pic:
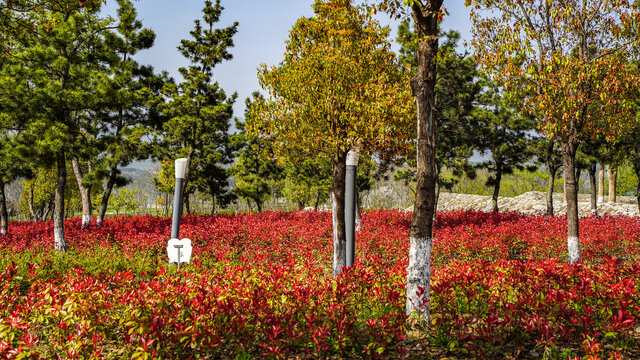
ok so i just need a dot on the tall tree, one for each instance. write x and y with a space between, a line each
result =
130 97
570 58
426 15
256 168
337 89
62 58
456 91
504 136
198 110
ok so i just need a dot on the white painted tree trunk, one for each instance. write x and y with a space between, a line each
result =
59 240
339 258
86 221
419 279
3 231
574 249
601 184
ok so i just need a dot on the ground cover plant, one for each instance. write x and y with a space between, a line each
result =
261 286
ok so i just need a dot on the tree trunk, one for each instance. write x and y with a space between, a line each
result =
339 173
4 215
58 211
551 185
496 189
187 175
34 215
578 174
104 202
85 192
187 203
593 183
213 204
46 211
259 206
612 173
317 202
571 189
601 184
423 86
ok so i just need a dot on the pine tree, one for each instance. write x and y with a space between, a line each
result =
256 168
198 110
504 136
59 65
131 95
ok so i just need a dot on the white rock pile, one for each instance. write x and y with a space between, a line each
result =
535 202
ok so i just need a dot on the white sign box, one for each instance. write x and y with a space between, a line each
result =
179 251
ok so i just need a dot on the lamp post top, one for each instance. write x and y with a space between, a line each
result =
181 166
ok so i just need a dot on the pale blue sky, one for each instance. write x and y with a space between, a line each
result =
263 29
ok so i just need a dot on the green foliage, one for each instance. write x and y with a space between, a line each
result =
308 182
256 170
41 187
338 87
125 200
504 134
627 181
198 110
514 184
457 89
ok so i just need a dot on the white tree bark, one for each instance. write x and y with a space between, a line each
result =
59 240
339 259
419 279
573 244
601 184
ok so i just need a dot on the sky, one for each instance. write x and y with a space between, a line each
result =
263 28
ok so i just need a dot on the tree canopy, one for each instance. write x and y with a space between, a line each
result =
338 88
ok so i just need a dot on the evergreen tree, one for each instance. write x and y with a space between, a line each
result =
456 90
504 136
130 98
197 109
256 169
59 64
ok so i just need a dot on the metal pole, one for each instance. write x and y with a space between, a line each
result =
350 205
177 197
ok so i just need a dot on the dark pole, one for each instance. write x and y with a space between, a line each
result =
350 206
177 198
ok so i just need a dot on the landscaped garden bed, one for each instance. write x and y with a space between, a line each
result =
261 286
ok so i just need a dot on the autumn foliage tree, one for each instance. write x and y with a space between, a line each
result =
570 61
338 89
